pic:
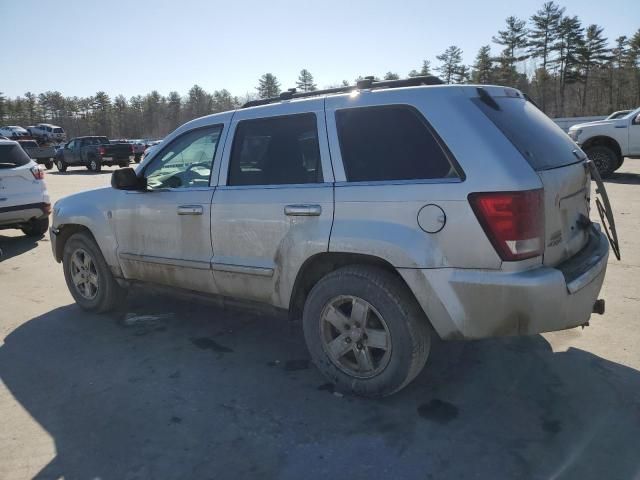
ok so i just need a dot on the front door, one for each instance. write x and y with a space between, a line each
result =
273 208
634 137
69 151
163 233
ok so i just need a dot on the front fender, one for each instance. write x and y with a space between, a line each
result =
89 210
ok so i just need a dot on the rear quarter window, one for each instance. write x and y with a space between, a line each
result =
391 142
12 156
541 142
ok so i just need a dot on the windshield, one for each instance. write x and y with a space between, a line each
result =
12 155
540 141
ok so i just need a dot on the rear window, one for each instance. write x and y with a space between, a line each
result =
540 141
58 130
12 156
389 143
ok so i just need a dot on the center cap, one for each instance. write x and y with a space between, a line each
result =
355 334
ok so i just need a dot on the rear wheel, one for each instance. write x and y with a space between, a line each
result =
123 163
137 158
365 331
48 164
88 276
620 162
36 228
94 165
61 165
604 158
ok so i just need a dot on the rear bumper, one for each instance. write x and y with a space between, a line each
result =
478 303
19 214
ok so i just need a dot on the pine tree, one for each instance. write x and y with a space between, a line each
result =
593 53
542 37
634 61
514 40
268 86
569 43
305 81
617 66
451 60
3 107
391 76
483 66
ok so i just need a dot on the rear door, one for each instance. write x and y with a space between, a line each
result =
558 161
273 207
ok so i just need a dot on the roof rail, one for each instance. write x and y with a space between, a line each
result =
366 82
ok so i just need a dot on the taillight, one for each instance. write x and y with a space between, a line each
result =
37 172
513 221
101 151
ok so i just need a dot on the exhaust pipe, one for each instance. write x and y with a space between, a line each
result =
598 307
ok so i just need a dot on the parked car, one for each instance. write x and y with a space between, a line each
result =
380 215
608 142
42 155
151 147
92 152
138 147
24 201
618 114
13 132
45 132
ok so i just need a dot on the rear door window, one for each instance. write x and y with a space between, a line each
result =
276 151
392 142
540 141
12 156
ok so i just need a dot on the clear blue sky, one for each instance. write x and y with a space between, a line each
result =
132 47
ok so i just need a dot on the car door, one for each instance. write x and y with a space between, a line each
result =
273 207
634 136
163 233
69 151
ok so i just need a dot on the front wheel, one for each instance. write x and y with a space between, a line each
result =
36 228
605 159
48 164
137 158
365 331
123 163
61 165
88 276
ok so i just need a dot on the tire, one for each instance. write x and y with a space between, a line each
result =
96 290
137 158
604 159
61 165
391 312
620 162
123 163
48 164
36 228
94 165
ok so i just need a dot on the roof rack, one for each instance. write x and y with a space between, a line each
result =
365 83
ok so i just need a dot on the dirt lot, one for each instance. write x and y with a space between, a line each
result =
207 392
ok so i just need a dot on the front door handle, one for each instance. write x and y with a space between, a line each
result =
190 210
302 210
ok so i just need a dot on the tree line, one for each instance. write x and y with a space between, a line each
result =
567 68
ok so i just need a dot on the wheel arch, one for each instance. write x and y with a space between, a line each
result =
319 265
604 141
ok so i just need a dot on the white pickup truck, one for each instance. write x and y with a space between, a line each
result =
607 142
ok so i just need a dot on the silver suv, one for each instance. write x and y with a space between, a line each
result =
382 214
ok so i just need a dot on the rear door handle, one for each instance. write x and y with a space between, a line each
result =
190 210
302 210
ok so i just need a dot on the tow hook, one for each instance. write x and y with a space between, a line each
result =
598 307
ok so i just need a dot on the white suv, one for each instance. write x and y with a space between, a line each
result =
24 201
381 214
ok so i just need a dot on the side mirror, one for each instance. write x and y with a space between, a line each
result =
126 179
636 121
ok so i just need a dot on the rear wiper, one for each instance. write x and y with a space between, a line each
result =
605 210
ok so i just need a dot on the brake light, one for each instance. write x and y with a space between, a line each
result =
513 221
37 172
101 151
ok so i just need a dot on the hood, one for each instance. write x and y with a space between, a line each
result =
593 124
86 197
